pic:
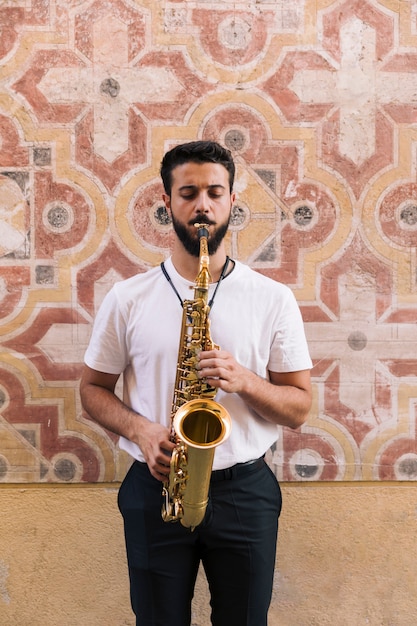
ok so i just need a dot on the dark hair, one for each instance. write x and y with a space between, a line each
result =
196 152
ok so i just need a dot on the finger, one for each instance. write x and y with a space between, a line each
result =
161 471
206 354
161 477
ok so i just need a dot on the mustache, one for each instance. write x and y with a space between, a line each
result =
201 220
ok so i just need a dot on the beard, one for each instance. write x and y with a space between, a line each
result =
190 240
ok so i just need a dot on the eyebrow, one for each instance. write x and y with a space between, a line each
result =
214 186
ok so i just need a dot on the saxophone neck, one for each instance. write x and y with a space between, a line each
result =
203 278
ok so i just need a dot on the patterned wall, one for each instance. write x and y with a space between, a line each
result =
318 102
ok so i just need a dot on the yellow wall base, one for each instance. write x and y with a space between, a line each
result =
347 556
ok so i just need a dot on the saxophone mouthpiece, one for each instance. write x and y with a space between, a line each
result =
202 230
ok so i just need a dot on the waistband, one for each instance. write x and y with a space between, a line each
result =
238 470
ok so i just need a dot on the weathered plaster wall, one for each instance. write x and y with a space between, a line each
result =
347 557
317 100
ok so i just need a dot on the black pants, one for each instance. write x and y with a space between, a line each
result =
236 543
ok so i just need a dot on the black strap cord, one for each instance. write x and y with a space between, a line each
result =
222 275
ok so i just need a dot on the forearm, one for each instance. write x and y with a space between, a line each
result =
284 399
105 408
282 404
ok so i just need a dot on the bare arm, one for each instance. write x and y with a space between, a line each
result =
284 399
104 407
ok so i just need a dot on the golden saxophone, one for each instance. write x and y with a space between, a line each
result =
199 424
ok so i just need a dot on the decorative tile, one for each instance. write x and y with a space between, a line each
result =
317 102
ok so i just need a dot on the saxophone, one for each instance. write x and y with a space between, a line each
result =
198 423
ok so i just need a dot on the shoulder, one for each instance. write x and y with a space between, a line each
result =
130 292
250 278
140 278
137 283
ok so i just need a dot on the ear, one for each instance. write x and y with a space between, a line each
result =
167 201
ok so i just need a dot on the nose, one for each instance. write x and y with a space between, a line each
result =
202 204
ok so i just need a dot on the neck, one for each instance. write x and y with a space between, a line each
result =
187 265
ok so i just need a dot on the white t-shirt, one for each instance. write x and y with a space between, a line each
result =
137 332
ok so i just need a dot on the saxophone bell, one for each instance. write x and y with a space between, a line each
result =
200 425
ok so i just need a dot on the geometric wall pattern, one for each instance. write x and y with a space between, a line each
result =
318 103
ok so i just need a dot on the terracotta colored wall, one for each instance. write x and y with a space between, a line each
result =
317 101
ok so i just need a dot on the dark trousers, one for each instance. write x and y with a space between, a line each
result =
236 543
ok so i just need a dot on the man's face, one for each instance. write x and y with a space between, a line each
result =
200 194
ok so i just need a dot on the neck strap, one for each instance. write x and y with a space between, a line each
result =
222 275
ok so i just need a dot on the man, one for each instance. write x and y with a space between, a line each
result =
262 376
